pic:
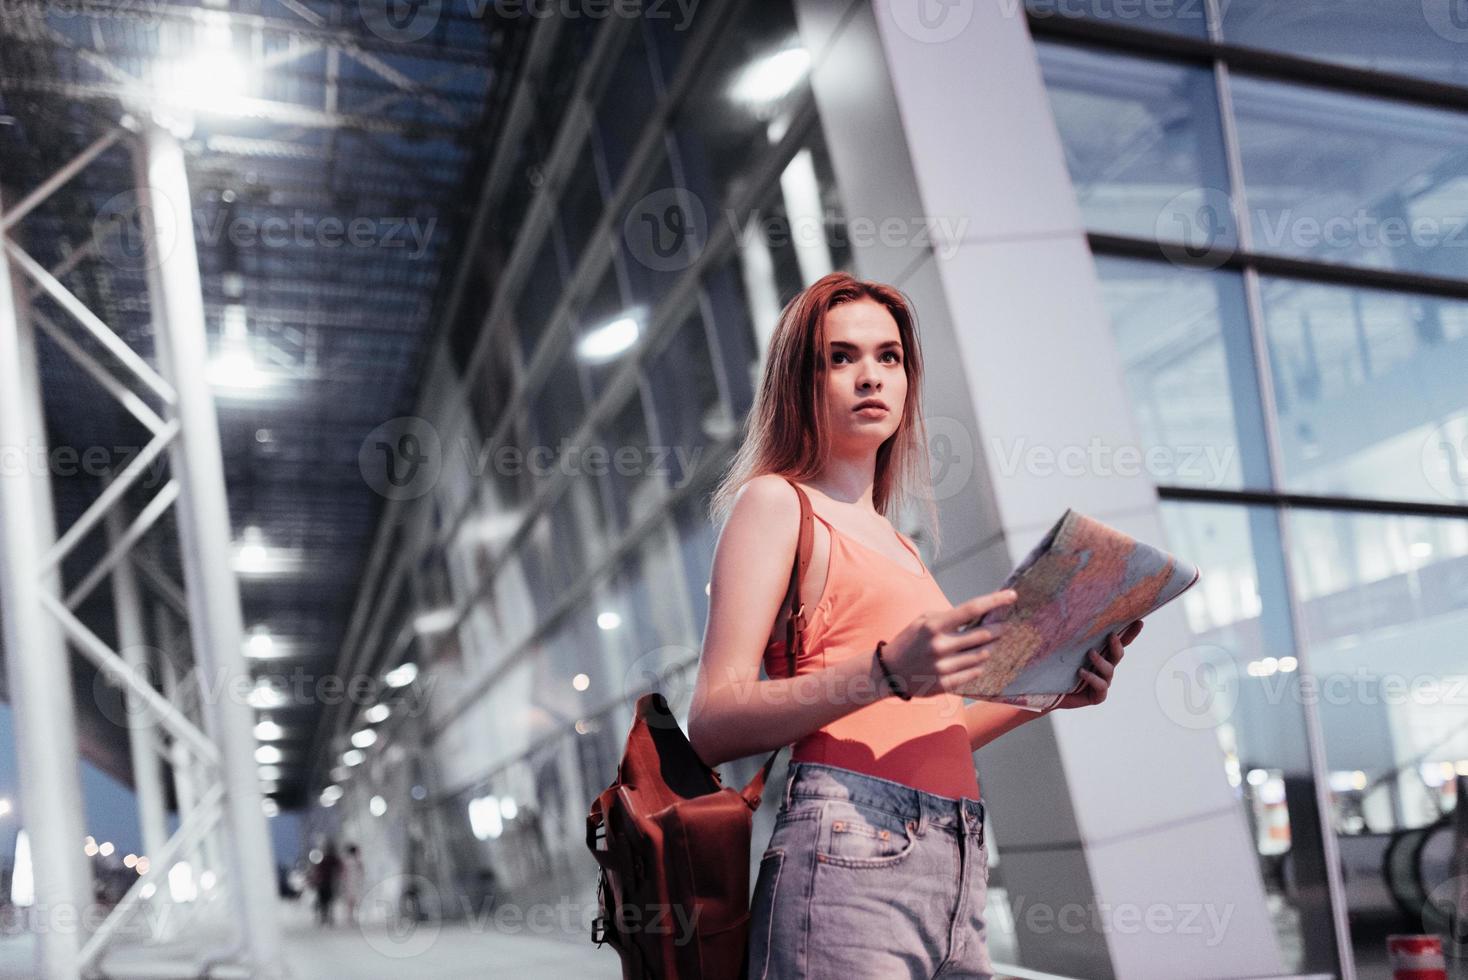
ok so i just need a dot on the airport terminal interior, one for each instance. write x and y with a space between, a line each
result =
367 367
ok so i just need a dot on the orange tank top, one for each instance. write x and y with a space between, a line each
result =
869 596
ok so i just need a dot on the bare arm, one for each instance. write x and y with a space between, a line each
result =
734 713
986 721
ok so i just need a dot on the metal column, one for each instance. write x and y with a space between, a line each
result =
36 658
143 730
216 621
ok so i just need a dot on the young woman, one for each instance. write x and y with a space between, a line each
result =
877 866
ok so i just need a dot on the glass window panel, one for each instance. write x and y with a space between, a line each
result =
492 384
737 347
525 180
1143 142
636 485
508 466
685 395
579 527
670 25
607 330
1383 618
557 409
653 237
580 205
558 80
741 104
1239 617
626 104
1369 389
1183 337
1405 37
1188 17
1354 180
539 294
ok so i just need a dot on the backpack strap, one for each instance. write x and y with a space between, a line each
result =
794 627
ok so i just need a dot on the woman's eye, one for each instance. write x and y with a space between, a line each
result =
893 354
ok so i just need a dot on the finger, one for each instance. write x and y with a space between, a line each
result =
1103 667
950 643
966 661
1130 633
975 607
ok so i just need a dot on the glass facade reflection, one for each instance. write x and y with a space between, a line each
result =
641 249
1324 518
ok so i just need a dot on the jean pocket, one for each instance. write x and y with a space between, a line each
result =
855 836
762 913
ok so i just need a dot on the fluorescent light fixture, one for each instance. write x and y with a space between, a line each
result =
377 713
331 794
434 621
267 730
608 620
485 819
508 809
260 642
353 757
364 738
608 341
268 755
401 676
23 878
268 773
266 696
377 806
234 368
767 80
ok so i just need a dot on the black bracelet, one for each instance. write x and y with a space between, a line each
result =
891 681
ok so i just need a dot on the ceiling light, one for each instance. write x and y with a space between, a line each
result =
608 620
377 806
260 643
268 755
435 621
771 78
234 368
268 731
251 555
331 794
581 682
353 757
266 695
364 738
608 341
401 676
376 713
268 773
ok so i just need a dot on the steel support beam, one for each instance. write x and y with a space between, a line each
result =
215 617
36 658
142 726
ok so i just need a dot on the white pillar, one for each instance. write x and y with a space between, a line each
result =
216 622
143 730
1106 818
36 658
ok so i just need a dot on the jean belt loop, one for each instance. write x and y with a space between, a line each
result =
789 785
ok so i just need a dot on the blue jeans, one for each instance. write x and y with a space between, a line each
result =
868 878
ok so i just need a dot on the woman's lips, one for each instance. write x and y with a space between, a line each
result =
871 411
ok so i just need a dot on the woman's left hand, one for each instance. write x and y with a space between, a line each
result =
1096 680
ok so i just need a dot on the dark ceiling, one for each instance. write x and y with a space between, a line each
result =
349 114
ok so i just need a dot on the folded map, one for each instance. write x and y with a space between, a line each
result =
1083 581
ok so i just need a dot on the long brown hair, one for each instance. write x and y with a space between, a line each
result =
785 432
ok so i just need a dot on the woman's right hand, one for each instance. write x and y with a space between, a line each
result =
929 657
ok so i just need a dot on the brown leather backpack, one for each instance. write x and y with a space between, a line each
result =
673 841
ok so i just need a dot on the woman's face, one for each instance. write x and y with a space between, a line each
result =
864 365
